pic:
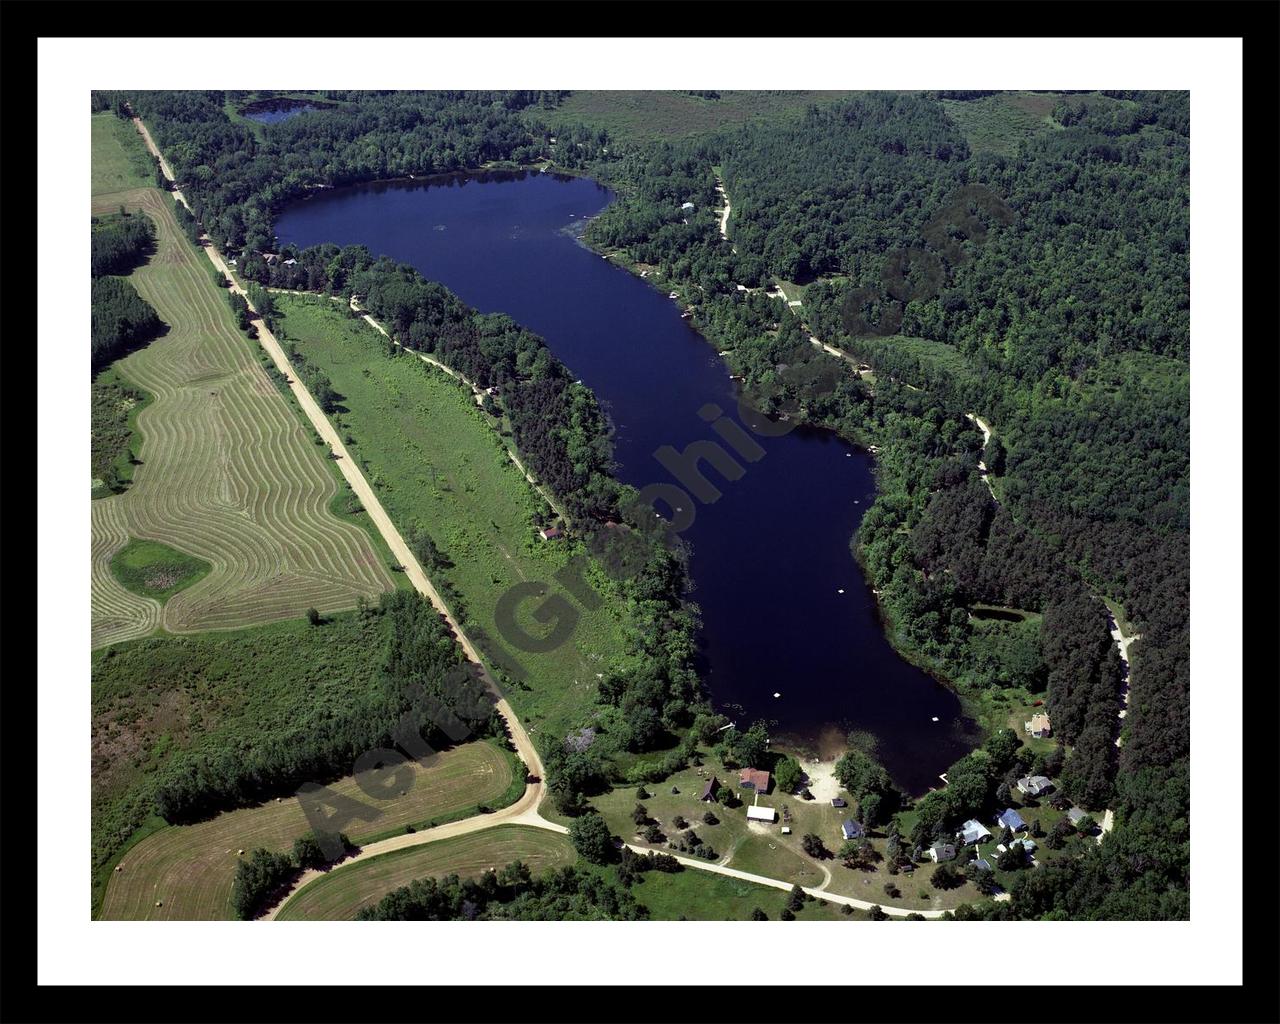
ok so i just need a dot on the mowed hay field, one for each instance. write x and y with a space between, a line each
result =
345 891
120 160
189 869
439 466
228 472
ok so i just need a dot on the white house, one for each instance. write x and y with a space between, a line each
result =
758 813
1034 785
973 831
942 851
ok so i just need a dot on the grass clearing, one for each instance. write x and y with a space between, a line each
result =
440 466
152 569
189 869
343 892
226 472
120 160
693 895
640 116
1000 123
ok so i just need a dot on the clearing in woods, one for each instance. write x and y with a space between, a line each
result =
120 160
189 869
227 474
440 467
345 891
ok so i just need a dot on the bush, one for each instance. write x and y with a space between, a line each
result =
257 879
710 819
591 838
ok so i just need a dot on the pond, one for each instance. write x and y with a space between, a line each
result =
273 111
791 632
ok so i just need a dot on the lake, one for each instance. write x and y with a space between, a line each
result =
784 605
276 110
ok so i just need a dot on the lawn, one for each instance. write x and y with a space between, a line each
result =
189 869
343 892
225 472
693 895
641 116
152 569
119 159
440 467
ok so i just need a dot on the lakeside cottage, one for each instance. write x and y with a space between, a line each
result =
753 778
940 852
1039 726
1011 819
973 831
1034 785
852 829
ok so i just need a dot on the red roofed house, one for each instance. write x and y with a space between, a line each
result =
753 778
550 533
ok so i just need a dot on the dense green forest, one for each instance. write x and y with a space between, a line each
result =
265 710
510 894
1047 290
121 319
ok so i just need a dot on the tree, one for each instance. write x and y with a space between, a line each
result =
758 915
640 815
725 796
592 839
814 846
1013 858
796 898
1086 825
679 821
858 853
710 819
256 879
313 617
877 914
788 774
946 876
1057 837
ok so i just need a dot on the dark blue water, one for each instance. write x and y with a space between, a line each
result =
280 110
771 556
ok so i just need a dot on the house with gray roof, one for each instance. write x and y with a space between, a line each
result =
973 831
1011 819
940 852
1034 785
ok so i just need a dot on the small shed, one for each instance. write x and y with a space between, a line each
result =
686 206
550 533
838 802
1039 726
709 790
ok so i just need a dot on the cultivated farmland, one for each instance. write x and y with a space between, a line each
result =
189 869
343 893
227 473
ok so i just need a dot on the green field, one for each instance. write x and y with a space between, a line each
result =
440 467
342 893
189 869
152 569
638 116
683 895
120 160
999 124
226 472
693 895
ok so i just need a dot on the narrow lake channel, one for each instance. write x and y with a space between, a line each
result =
784 605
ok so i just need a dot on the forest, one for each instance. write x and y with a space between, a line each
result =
1049 291
510 894
268 711
121 319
